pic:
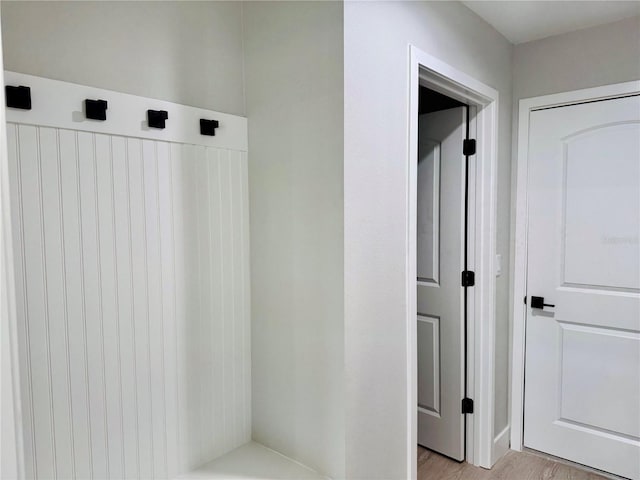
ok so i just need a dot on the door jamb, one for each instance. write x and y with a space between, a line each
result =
437 75
526 106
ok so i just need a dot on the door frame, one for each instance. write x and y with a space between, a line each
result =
430 71
519 273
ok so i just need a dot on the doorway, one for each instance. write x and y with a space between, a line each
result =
430 72
445 143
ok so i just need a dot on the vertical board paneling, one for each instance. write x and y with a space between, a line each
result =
78 361
132 275
180 296
24 356
155 313
246 294
36 312
235 171
192 305
124 285
109 302
140 307
204 263
165 220
227 301
93 302
56 311
217 331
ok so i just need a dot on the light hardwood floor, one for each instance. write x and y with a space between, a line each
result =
513 466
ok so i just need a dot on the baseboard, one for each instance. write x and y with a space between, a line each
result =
500 445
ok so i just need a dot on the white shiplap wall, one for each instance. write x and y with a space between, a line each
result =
133 302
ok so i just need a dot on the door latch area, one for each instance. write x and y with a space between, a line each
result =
538 302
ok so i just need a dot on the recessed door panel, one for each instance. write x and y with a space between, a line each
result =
429 364
429 212
601 220
608 407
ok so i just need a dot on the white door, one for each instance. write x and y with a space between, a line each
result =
582 388
440 294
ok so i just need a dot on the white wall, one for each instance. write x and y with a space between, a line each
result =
183 52
377 35
294 84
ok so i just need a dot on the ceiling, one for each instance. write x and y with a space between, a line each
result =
523 21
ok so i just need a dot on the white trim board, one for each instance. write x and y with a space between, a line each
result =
501 444
60 105
527 105
11 443
437 75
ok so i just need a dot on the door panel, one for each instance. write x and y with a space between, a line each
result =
440 261
429 364
429 213
600 178
582 395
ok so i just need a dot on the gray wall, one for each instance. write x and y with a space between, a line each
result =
183 52
294 87
377 35
585 58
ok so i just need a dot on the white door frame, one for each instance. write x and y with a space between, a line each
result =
430 71
527 105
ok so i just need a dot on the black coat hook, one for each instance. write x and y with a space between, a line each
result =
157 118
95 109
208 127
18 97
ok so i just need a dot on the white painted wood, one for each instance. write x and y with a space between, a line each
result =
60 105
582 392
56 294
22 327
74 285
252 461
440 301
428 250
124 283
432 72
131 262
501 444
429 381
521 247
11 426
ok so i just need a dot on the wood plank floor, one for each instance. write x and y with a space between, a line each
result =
513 466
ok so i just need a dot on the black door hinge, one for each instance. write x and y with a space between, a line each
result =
467 405
469 147
468 278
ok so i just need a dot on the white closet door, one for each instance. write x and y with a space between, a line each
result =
441 171
582 393
132 278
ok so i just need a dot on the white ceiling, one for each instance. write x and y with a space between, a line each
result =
523 21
